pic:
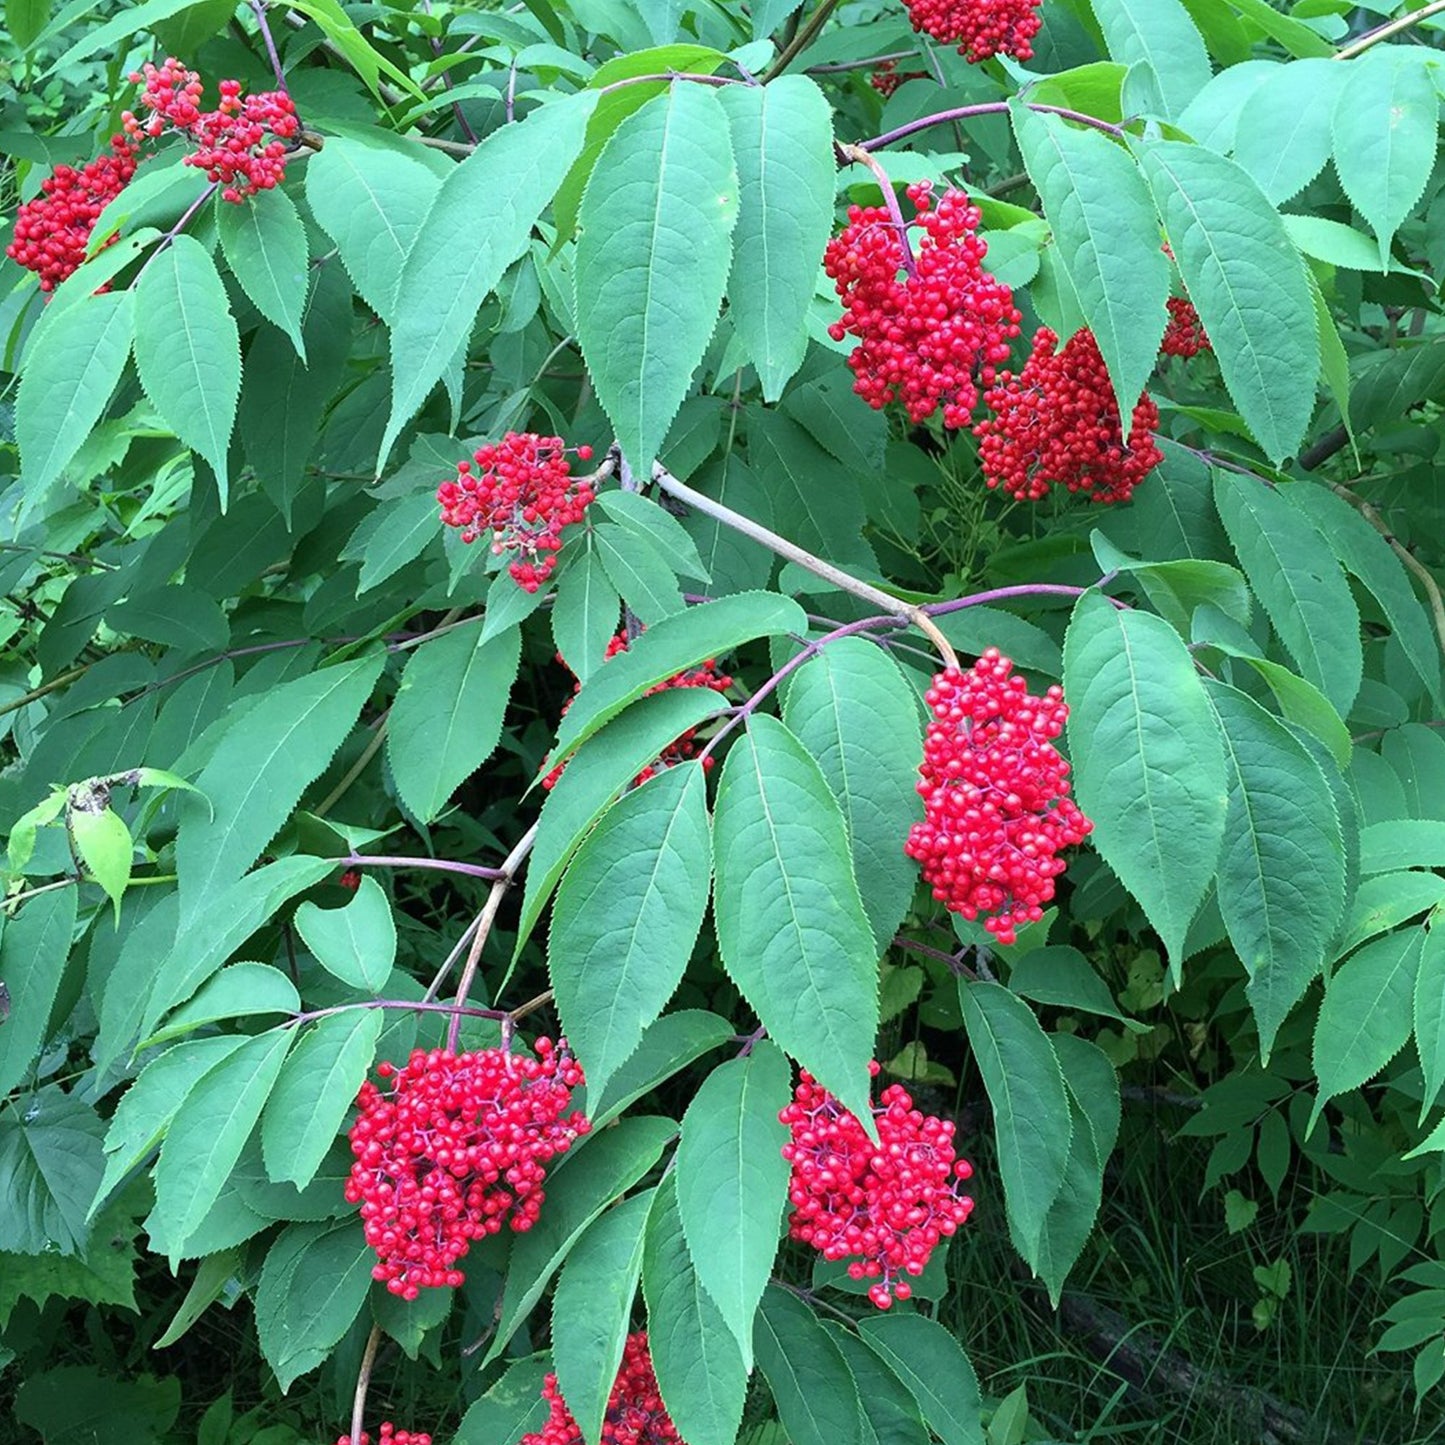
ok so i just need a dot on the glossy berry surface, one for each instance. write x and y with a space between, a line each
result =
997 811
980 28
522 491
885 1206
1056 424
1185 334
932 324
451 1147
389 1436
635 1413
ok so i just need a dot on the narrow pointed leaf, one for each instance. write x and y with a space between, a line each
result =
33 951
927 1358
812 1386
265 247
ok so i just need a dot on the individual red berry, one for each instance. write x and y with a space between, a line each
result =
980 28
886 77
389 1436
523 493
931 328
1185 334
635 1413
882 1206
350 880
705 674
1057 424
995 791
52 230
456 1146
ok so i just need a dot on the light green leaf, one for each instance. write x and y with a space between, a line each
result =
1296 37
782 137
928 1359
187 350
1294 574
480 222
119 29
639 515
1402 843
627 915
1148 765
790 922
671 1044
1430 1015
265 246
591 1310
812 1386
240 991
732 1182
106 848
855 713
512 1408
652 260
66 383
357 942
1388 900
315 1092
1108 238
394 533
1248 283
1030 1106
33 951
585 612
1062 977
447 717
640 570
1161 34
1280 141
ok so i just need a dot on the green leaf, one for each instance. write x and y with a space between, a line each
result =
1296 37
1030 1106
790 922
1294 574
856 714
889 1410
480 222
179 614
1281 881
408 1322
1281 142
371 201
674 644
1148 765
1248 283
812 1386
265 246
652 260
1161 35
368 63
591 1310
640 570
119 29
782 137
1429 1019
33 951
671 1044
447 717
585 612
67 381
512 1408
1063 978
579 1188
240 991
627 915
187 350
105 847
700 1370
1366 1015
312 1286
356 942
1385 122
208 1132
650 519
1363 552
258 772
50 1165
928 1359
1402 843
1107 234
732 1182
1388 900
315 1092
75 1404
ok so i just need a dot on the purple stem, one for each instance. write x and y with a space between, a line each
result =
988 107
752 1040
1001 594
436 50
890 200
669 77
176 230
258 8
440 865
415 1005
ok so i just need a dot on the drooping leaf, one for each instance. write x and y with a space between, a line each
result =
790 921
50 1166
1429 1018
640 571
241 991
1280 140
33 951
1161 35
671 1044
1148 765
627 915
265 247
812 1386
512 1408
889 1408
187 350
930 1361
653 258
1062 977
585 612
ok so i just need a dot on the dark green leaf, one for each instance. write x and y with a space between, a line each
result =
928 1359
265 246
812 1386
33 951
357 942
1430 1015
50 1166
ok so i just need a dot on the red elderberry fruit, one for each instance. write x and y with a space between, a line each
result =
980 28
350 880
522 491
931 327
389 1436
705 674
1056 424
995 791
883 1206
52 230
456 1146
635 1413
241 145
886 77
1185 334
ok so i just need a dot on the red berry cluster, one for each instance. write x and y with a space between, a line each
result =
1185 334
995 791
389 1436
53 230
635 1413
523 494
241 144
456 1146
931 328
886 77
705 674
980 28
883 1205
1057 424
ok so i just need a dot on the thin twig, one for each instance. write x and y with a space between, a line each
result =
436 50
987 107
890 199
1389 30
804 37
356 769
363 1380
840 67
440 865
258 9
176 230
36 693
